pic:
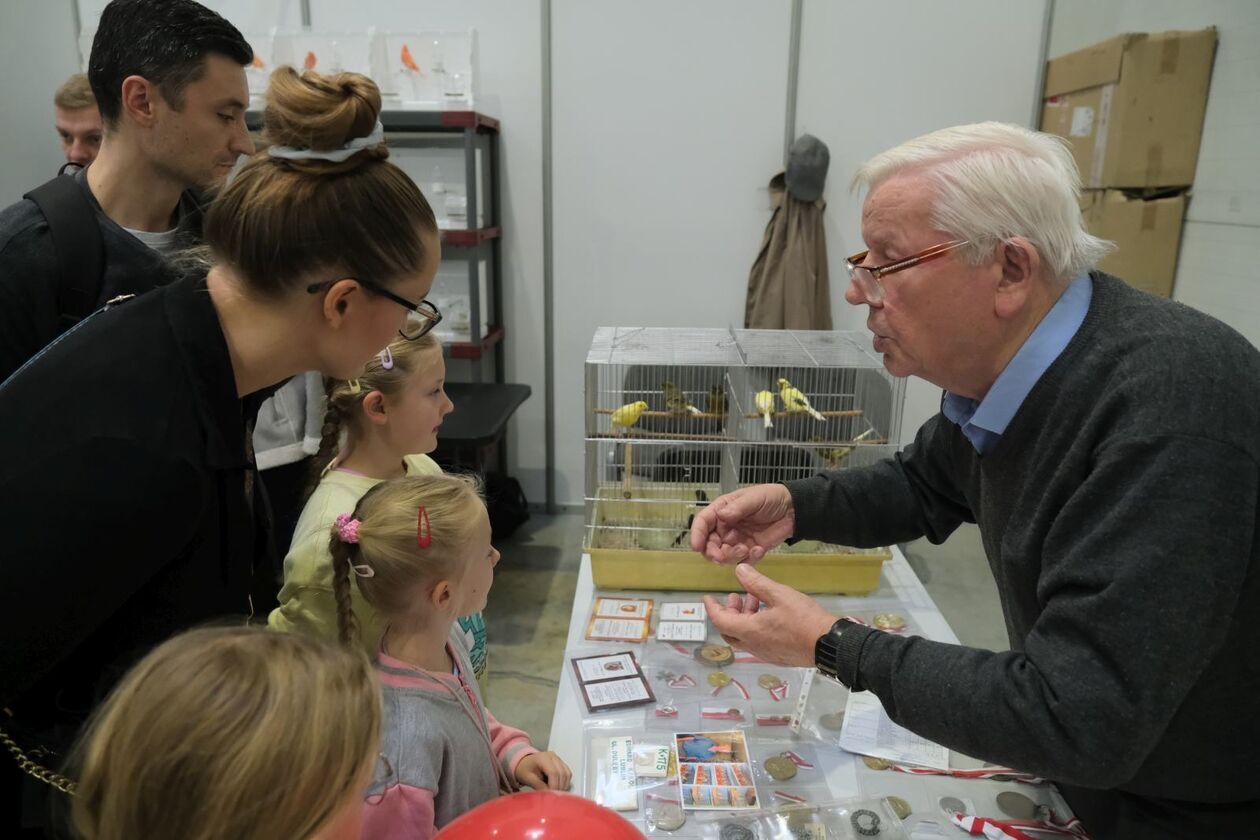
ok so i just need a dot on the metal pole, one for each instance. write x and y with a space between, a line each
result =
549 348
794 68
1046 25
306 13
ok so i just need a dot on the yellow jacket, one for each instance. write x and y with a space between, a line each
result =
306 599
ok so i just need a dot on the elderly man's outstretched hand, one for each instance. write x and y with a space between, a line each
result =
741 527
782 632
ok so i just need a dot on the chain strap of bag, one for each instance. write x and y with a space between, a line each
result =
34 769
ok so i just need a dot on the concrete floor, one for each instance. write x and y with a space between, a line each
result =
529 607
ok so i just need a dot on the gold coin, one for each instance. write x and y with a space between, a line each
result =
769 681
719 678
780 769
717 655
833 721
889 621
876 763
900 806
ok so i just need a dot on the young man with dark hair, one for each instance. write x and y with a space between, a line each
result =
169 81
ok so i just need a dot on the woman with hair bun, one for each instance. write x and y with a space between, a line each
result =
126 468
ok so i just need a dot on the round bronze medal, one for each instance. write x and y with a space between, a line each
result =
717 655
769 681
780 768
876 763
832 720
889 621
899 806
719 678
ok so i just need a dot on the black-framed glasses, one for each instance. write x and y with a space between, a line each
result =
422 317
867 277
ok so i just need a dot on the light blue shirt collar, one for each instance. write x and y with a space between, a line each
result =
984 421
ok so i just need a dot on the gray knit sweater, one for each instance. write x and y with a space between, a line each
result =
1118 514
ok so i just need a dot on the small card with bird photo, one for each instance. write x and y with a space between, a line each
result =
713 771
611 681
619 620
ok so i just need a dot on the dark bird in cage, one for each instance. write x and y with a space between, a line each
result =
676 400
715 403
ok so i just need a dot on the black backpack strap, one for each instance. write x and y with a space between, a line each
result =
77 243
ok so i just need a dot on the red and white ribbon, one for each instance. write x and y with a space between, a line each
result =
667 711
681 681
658 798
774 720
1002 774
729 714
1018 829
743 692
789 797
779 692
991 829
796 759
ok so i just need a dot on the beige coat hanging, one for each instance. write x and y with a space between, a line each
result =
788 286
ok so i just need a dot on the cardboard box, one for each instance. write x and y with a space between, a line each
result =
1132 107
1146 231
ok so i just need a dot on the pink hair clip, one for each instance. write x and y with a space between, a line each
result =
424 530
387 359
347 528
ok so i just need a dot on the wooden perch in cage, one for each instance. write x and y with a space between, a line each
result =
658 436
679 415
852 412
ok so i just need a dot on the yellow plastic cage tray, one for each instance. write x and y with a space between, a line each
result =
640 542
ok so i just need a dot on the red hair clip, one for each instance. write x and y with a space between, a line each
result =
424 531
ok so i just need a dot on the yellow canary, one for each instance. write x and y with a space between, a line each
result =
795 401
628 414
765 404
676 400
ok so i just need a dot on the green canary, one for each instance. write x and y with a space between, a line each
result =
716 401
676 400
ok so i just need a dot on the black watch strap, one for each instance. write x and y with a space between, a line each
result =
829 651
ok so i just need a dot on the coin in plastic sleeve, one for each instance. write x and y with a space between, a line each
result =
719 678
769 681
717 655
832 720
780 768
1016 805
876 763
899 806
889 621
668 816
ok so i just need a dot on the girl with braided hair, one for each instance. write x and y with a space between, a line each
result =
376 427
418 551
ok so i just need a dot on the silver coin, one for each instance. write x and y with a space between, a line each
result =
953 805
668 816
1016 805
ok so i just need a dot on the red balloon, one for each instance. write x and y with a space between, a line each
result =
539 815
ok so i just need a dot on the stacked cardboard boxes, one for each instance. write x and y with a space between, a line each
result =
1131 108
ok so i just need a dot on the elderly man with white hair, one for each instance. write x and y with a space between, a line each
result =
1106 442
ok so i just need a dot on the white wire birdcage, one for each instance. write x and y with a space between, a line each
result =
676 417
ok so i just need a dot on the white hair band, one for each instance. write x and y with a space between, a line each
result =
358 144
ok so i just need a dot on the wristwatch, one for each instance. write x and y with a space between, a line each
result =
827 650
